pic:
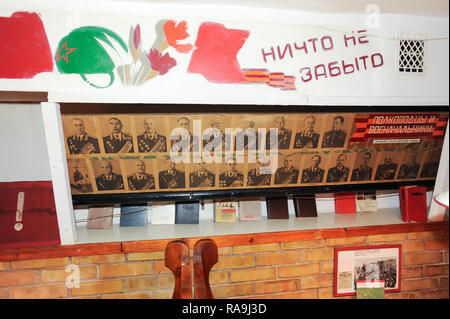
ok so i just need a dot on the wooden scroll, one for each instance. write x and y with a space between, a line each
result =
178 261
205 257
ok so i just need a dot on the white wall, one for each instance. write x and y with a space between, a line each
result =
23 149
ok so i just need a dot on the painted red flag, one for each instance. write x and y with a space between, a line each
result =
24 48
215 56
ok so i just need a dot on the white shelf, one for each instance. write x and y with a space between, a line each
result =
208 228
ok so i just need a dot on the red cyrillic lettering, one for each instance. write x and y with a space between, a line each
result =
373 60
356 64
308 73
287 46
349 38
313 41
344 67
303 47
332 68
321 74
362 37
363 58
330 42
266 54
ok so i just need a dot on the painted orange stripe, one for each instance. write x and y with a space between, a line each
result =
258 80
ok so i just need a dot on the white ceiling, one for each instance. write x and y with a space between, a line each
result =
439 8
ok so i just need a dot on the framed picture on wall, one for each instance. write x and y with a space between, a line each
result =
369 263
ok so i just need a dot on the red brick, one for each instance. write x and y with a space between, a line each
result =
319 281
253 274
125 270
317 254
232 262
38 292
419 284
412 272
413 246
436 270
304 244
17 278
299 270
422 258
277 258
267 287
40 263
140 283
233 290
97 287
361 240
437 244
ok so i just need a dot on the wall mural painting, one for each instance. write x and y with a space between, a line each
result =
24 47
97 50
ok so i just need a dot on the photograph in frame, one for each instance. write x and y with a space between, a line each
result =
370 263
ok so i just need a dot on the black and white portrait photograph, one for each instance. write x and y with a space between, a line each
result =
117 137
108 175
309 133
151 130
80 135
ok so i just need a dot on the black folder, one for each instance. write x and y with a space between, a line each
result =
187 213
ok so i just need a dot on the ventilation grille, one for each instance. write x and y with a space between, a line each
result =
412 56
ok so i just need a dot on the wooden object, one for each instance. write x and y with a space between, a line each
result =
178 261
205 257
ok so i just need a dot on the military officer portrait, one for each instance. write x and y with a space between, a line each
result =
340 172
431 165
172 177
255 176
410 168
107 179
80 181
387 169
217 138
181 137
364 171
288 173
336 136
284 135
308 137
232 177
314 173
80 142
140 179
117 141
249 138
201 176
150 141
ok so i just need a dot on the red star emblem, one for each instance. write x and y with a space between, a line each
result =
63 54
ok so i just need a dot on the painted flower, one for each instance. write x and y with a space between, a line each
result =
174 33
161 63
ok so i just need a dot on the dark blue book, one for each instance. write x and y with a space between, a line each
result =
131 216
187 213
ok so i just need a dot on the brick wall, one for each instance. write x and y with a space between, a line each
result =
301 269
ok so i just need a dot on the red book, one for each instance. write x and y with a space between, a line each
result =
403 201
345 203
416 204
